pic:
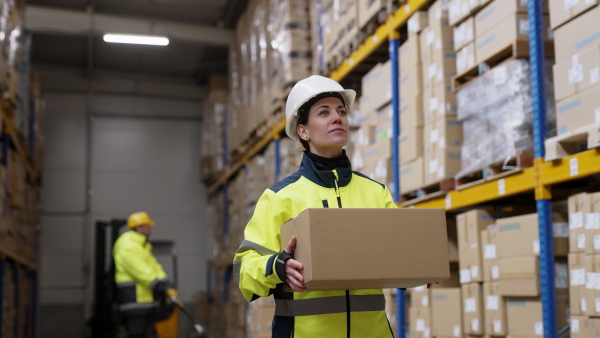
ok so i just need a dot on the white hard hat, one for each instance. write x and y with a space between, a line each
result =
305 90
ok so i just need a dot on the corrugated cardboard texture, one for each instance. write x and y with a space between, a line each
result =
577 73
490 258
473 323
562 12
495 310
446 312
519 276
577 284
577 35
369 248
470 225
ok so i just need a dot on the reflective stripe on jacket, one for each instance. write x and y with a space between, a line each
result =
137 273
344 313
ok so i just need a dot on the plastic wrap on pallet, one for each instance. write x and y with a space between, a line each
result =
497 114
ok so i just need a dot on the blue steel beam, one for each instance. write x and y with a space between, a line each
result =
543 203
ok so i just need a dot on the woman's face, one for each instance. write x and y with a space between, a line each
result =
327 128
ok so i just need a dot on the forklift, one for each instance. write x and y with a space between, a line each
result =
106 322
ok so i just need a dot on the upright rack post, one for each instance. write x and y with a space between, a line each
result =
542 194
394 58
2 267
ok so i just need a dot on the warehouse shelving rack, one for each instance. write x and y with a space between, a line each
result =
537 180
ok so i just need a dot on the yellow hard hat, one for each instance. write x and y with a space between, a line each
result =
139 218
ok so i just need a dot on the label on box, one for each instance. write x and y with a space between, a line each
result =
438 44
574 325
536 246
596 242
420 325
539 328
583 304
581 241
434 135
489 251
430 39
470 305
575 73
524 27
592 220
501 187
594 75
596 279
431 70
491 302
597 304
561 275
426 334
574 166
475 324
457 331
433 166
442 143
441 172
474 271
560 229
497 326
576 220
589 2
577 277
523 3
568 4
465 276
425 301
495 272
448 201
597 114
590 279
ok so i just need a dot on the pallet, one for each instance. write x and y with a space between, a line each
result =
575 141
496 170
427 192
518 49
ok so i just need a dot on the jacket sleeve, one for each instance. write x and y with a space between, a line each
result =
254 261
388 199
132 261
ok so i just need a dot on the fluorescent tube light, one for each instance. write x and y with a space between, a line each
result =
137 39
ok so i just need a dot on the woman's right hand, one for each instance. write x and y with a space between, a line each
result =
293 268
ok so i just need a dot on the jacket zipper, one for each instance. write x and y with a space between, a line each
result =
339 201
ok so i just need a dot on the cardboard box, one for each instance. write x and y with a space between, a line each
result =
519 236
563 11
458 10
577 284
496 12
420 297
472 297
524 315
411 80
419 322
491 270
367 9
441 134
592 225
585 327
519 276
592 292
412 175
411 111
442 164
439 70
578 111
577 35
329 236
452 240
446 312
574 75
376 87
503 35
410 53
464 33
465 59
411 144
495 310
469 226
579 206
416 23
441 104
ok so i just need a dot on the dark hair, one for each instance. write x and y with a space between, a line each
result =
304 109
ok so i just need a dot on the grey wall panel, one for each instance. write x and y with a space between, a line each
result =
67 150
145 105
63 191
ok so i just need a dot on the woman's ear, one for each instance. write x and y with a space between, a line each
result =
302 132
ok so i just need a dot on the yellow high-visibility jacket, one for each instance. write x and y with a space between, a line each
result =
137 274
310 314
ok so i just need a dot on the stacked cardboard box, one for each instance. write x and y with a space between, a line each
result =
411 107
213 130
584 261
290 157
443 134
391 308
577 49
463 22
259 317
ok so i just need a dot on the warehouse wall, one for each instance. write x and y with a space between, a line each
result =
144 155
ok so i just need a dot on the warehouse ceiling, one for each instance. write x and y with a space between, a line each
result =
67 37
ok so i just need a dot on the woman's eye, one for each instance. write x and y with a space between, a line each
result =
343 112
323 112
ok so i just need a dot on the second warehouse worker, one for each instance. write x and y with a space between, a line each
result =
317 116
142 284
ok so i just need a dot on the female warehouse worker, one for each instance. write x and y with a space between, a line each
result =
317 116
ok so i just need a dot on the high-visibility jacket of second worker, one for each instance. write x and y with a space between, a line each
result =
310 314
137 274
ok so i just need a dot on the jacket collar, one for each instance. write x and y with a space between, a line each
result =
326 178
137 237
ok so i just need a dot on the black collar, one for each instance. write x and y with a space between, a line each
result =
315 168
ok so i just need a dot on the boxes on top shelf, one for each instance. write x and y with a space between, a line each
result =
578 111
445 133
577 35
416 23
464 33
458 10
439 103
562 12
376 88
369 10
578 73
465 59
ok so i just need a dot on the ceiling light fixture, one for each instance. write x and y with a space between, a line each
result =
137 39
